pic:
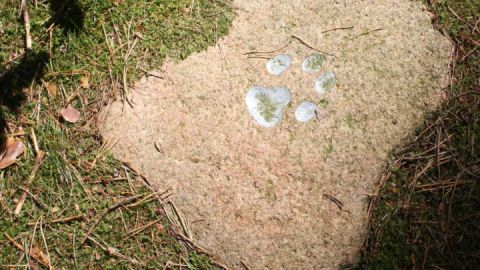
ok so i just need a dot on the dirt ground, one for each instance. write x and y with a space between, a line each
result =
264 197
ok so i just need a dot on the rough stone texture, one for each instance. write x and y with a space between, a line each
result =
256 194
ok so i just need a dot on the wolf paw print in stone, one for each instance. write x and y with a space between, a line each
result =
267 105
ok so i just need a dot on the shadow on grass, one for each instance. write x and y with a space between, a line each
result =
30 69
427 213
67 14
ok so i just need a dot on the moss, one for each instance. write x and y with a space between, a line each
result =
315 62
104 41
266 106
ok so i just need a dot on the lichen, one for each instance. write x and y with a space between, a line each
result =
278 64
266 106
313 63
306 111
325 83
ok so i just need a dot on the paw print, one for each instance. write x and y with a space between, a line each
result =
267 105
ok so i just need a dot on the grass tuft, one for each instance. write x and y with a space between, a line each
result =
110 44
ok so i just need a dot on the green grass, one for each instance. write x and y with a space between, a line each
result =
426 215
108 42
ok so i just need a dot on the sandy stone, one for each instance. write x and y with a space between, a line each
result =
325 83
306 111
278 64
255 194
266 105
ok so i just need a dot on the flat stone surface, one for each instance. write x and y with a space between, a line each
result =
266 105
325 83
255 194
278 64
314 63
306 111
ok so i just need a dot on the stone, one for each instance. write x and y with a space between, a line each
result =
325 83
306 111
266 105
278 64
313 63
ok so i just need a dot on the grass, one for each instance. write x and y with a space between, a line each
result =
110 44
427 212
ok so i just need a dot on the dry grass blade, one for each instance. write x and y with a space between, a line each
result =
35 253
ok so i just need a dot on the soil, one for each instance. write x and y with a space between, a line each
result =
260 196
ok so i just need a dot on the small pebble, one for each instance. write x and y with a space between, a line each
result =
278 64
306 111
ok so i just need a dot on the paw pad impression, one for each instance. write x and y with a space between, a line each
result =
266 105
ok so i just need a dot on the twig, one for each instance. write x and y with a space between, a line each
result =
458 17
33 255
34 198
21 201
201 250
77 176
16 134
114 252
46 246
60 220
106 146
142 228
125 86
36 166
337 28
422 172
4 204
111 208
182 221
153 74
133 190
26 22
257 57
366 33
158 147
309 46
163 194
108 180
137 172
245 265
337 202
38 157
269 52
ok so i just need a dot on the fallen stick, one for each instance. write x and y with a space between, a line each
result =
200 249
111 208
366 33
336 28
21 201
34 198
137 172
308 45
142 228
40 260
60 220
36 166
336 201
114 253
26 22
